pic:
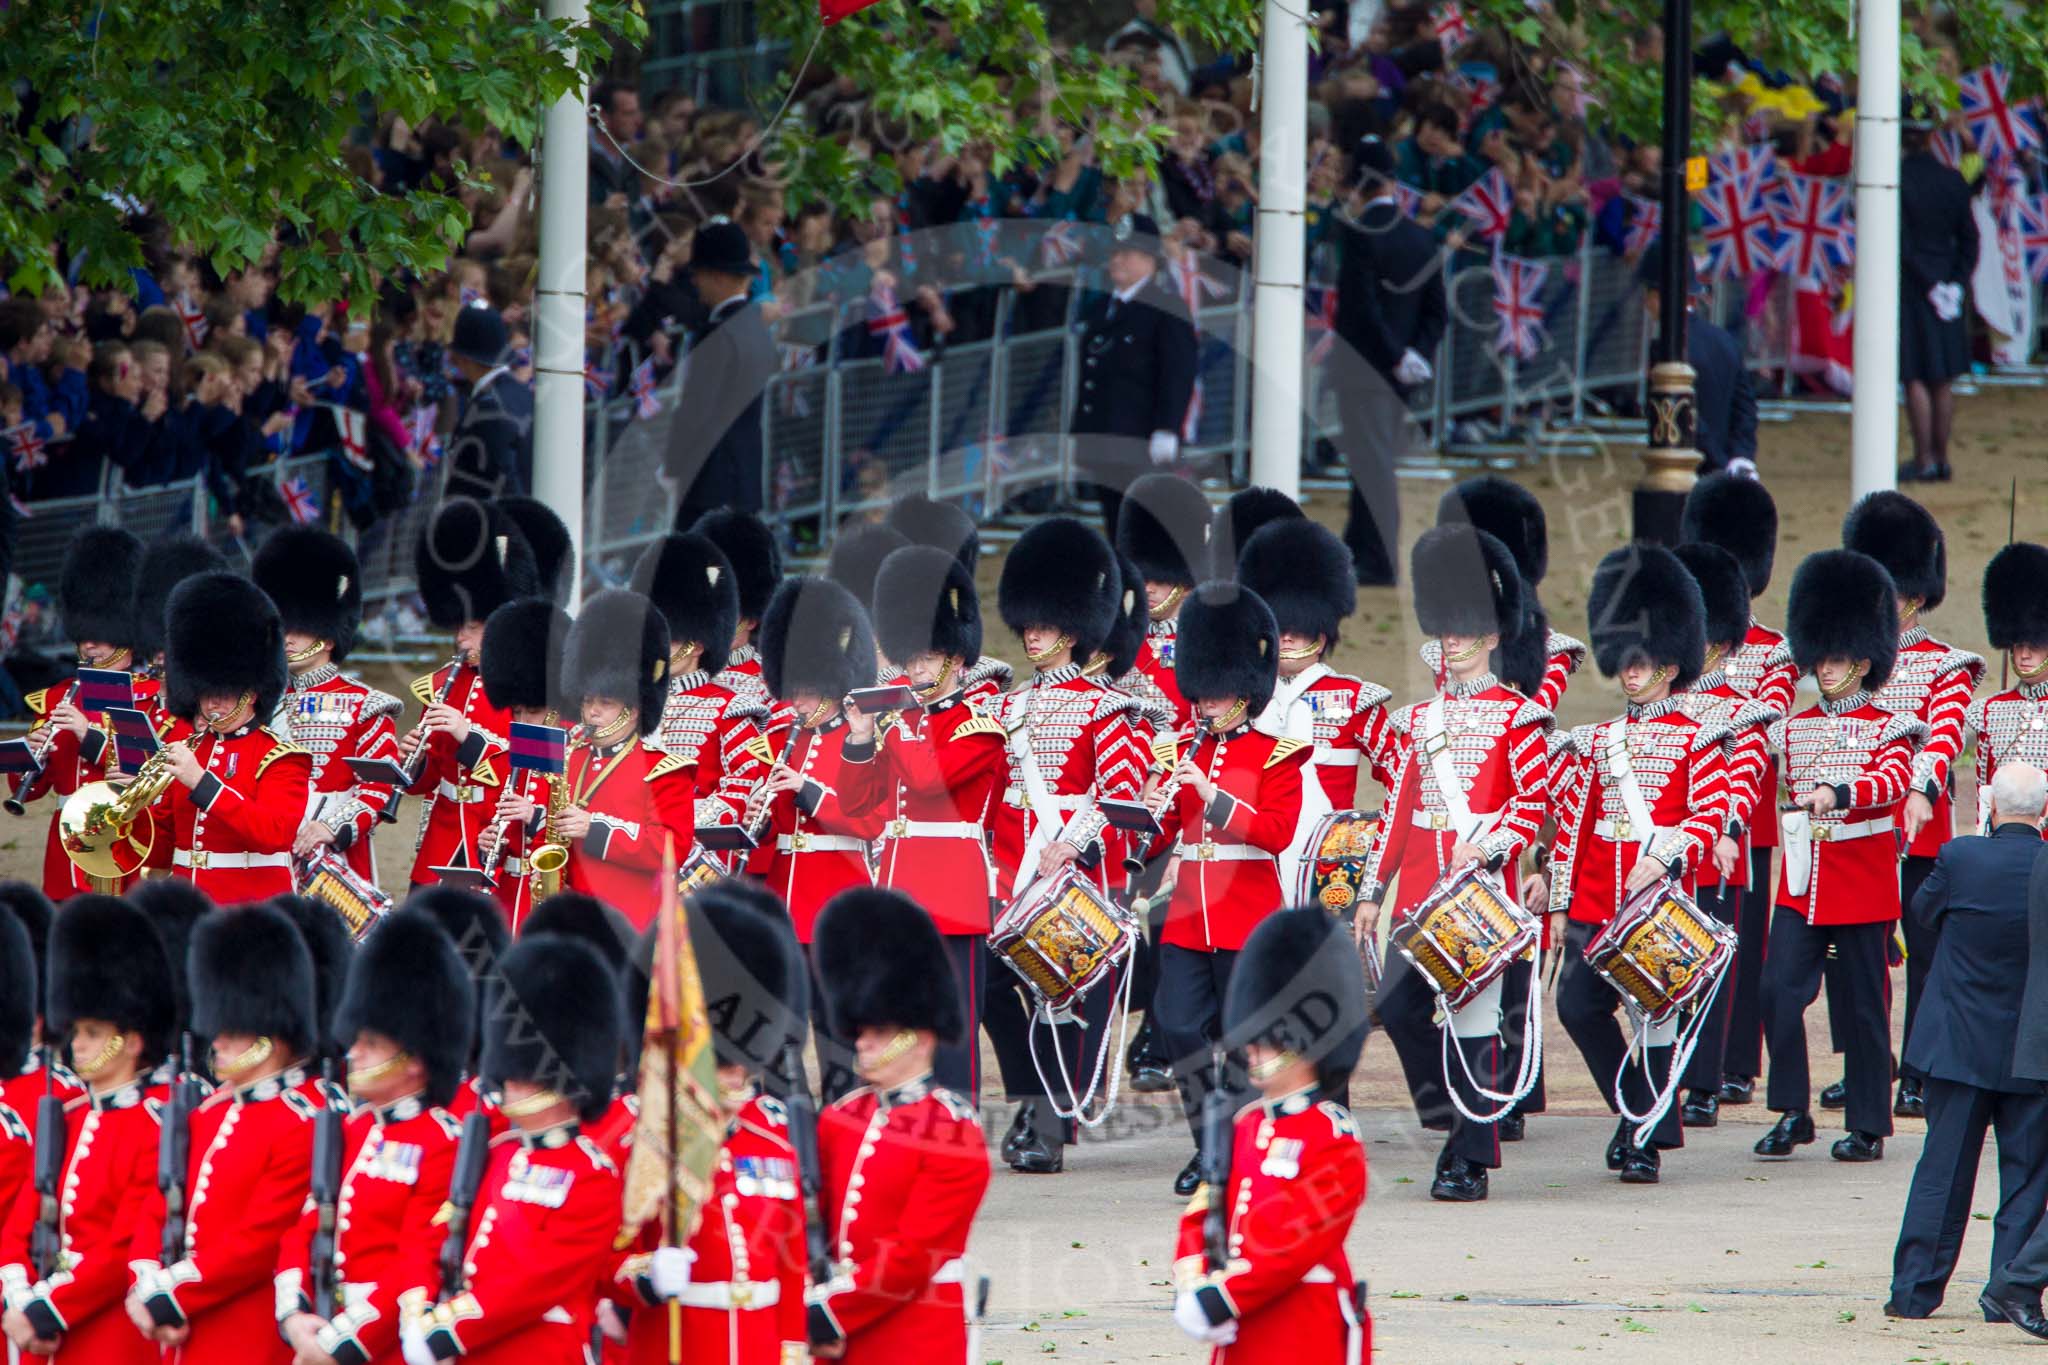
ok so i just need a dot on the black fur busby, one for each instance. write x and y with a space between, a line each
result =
553 1017
548 538
223 636
313 577
618 649
470 560
857 555
1465 582
693 586
1164 528
1133 618
924 601
1242 516
753 972
106 962
473 922
1643 605
1844 606
332 949
166 563
816 638
942 525
1304 573
1741 517
881 962
174 907
1061 574
1524 654
26 905
18 996
2016 596
96 586
521 660
251 973
1298 985
1904 537
408 984
752 550
1506 511
1228 646
586 917
1724 590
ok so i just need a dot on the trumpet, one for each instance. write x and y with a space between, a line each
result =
96 827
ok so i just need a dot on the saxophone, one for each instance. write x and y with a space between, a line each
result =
547 861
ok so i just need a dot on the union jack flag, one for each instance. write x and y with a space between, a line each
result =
1947 146
1516 282
1739 234
468 295
1451 28
1406 197
796 398
1479 83
886 319
1322 321
354 427
26 447
646 402
1999 127
1489 203
194 318
987 231
1645 221
1756 165
1059 246
2033 211
596 383
1820 241
299 500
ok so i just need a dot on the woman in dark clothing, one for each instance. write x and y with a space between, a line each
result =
1937 253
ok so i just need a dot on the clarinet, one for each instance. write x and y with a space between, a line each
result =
411 767
760 825
1217 1138
1134 863
326 1191
803 1136
472 1158
46 1243
39 759
174 1153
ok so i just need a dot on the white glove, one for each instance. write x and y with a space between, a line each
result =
412 1344
1744 469
1165 446
1413 369
1947 300
669 1272
1189 1317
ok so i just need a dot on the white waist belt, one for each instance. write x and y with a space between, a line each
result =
932 829
727 1295
1440 821
464 794
1337 758
1223 853
819 843
1850 829
202 860
1605 829
1018 797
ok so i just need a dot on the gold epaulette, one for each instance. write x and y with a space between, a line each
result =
760 748
980 724
664 764
1166 751
279 750
1284 749
423 690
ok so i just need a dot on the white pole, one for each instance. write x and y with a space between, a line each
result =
1874 408
558 308
1278 316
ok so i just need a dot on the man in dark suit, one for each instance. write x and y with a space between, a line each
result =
1137 371
2014 1290
1722 394
714 454
1963 1041
1390 317
490 451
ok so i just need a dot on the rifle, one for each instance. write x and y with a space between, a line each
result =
1218 1134
174 1152
472 1158
327 1143
803 1135
53 1135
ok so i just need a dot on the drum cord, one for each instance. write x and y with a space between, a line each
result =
1532 1058
1079 1112
1681 1057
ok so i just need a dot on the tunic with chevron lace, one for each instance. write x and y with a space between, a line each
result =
717 734
1761 668
1865 753
1932 683
332 717
2011 727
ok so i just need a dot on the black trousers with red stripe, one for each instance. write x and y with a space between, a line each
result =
1008 1015
1704 1071
1586 1006
957 1066
1407 1008
1742 1055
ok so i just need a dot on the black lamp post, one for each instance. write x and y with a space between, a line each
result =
1670 461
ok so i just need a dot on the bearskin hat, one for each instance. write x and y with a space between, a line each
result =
754 978
1524 654
175 907
618 648
2016 596
18 996
1304 573
1465 582
554 1018
521 659
1243 515
223 636
1228 646
881 961
1740 516
1126 636
96 586
332 949
1298 985
816 638
26 905
1844 606
106 962
692 585
751 548
857 555
313 577
924 600
942 525
575 915
1904 537
548 538
1506 511
473 922
1724 590
1164 528
408 984
165 564
1062 575
470 560
251 973
1643 605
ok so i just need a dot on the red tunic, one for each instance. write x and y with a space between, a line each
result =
332 718
459 784
932 780
1297 1180
742 676
540 1234
396 1163
719 736
904 1174
1746 754
1866 753
1229 874
110 1161
1346 717
815 846
1761 668
231 835
1155 661
640 800
2011 727
1932 683
514 889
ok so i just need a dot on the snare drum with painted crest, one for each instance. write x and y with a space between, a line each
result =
1062 937
1464 934
1333 862
1661 952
